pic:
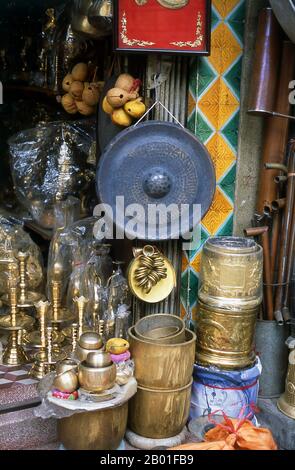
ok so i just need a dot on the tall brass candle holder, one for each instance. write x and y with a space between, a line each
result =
23 322
81 303
34 338
47 357
26 298
39 368
14 354
58 314
75 327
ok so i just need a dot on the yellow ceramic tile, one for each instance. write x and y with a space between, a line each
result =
182 311
221 154
195 310
196 263
184 262
224 7
225 48
218 104
191 104
218 212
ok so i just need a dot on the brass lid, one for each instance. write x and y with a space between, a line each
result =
90 340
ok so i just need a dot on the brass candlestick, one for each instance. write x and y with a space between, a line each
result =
81 303
74 336
27 298
14 354
53 356
33 339
58 314
39 368
23 322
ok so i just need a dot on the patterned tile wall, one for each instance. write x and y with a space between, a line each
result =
214 103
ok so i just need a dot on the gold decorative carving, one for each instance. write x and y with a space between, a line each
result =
199 36
131 42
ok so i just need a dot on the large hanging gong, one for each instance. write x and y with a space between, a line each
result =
156 163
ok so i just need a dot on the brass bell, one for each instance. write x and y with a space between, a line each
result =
286 403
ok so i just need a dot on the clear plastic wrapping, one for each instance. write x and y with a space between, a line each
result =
48 163
13 236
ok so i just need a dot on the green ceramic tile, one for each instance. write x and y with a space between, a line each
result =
227 229
203 130
215 18
228 183
191 122
193 76
231 131
233 77
205 76
237 20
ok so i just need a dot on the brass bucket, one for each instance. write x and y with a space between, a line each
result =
231 273
225 338
163 366
286 403
159 414
94 430
152 328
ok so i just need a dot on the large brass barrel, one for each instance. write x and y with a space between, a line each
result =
94 430
163 366
159 414
231 273
225 338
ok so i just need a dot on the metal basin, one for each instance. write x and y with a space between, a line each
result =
163 366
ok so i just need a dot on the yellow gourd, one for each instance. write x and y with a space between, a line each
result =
135 108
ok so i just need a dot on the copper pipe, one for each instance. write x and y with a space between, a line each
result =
278 204
290 259
275 235
283 256
263 233
266 63
276 131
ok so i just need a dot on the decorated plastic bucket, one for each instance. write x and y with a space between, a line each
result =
216 390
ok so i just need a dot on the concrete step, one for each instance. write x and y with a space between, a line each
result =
22 430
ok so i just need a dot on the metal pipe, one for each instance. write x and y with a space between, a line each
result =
280 179
276 131
290 260
278 204
275 235
263 233
266 63
276 166
283 257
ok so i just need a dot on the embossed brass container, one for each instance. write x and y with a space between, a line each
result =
159 414
94 430
286 403
225 338
231 273
163 366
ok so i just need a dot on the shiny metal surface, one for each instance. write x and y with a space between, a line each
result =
96 379
95 430
163 366
286 402
225 338
159 414
285 13
155 328
231 273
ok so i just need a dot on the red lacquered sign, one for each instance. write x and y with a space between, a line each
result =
175 26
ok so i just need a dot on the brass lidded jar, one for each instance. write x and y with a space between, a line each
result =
231 273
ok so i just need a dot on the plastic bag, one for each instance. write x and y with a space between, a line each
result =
12 235
234 434
50 163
